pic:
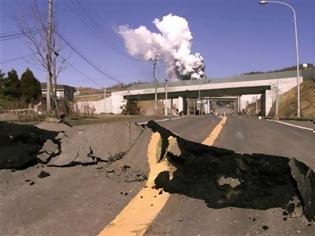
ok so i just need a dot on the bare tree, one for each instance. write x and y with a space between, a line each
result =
35 29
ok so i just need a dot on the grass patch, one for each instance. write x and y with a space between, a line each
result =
287 105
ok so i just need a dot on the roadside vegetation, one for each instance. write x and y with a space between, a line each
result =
18 92
287 105
131 108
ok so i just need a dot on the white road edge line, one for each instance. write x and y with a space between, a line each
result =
292 125
162 120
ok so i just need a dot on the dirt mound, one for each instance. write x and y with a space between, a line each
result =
223 178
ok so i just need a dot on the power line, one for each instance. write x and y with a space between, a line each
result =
86 59
17 58
12 38
82 73
79 9
4 37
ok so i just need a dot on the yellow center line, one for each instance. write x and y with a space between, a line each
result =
140 212
215 133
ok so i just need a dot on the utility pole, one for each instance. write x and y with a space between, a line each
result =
156 58
166 97
199 101
49 51
104 100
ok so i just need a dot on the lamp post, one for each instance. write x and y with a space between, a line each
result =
296 48
166 98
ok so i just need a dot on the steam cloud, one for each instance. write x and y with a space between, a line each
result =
172 45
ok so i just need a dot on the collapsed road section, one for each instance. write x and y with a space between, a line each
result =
20 145
220 177
223 178
57 145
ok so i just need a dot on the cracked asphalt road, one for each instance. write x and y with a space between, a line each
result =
188 216
77 200
81 200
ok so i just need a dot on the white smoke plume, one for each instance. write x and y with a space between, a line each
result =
172 45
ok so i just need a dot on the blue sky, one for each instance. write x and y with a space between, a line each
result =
233 36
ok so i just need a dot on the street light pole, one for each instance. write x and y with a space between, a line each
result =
156 58
297 51
277 100
199 101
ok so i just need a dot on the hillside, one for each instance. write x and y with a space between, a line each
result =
287 106
88 91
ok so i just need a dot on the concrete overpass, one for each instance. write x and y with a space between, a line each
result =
245 87
264 85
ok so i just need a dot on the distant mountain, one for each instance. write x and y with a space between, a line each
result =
309 65
88 91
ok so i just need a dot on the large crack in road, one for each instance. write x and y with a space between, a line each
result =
23 146
220 177
224 178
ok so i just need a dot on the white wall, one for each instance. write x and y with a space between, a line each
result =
117 102
180 104
94 107
247 99
60 94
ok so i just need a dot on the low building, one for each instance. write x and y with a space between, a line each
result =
63 91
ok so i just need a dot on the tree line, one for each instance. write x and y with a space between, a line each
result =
19 91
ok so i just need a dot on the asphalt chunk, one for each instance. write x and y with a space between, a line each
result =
265 227
43 174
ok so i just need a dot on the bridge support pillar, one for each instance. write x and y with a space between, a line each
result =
239 107
266 102
182 104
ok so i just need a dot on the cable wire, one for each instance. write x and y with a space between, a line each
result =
82 73
17 58
77 7
4 37
86 59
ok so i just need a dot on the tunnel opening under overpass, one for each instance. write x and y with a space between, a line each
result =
185 97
